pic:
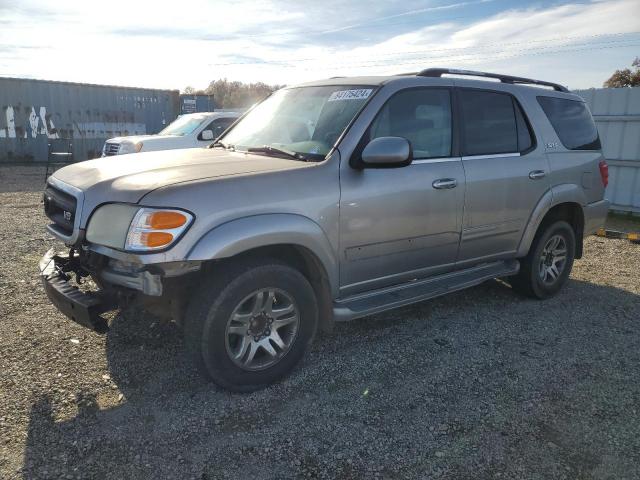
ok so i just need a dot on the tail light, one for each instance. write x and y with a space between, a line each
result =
604 172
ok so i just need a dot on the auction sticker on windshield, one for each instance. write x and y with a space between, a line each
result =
359 94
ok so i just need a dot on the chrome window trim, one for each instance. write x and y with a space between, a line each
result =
495 155
435 160
79 196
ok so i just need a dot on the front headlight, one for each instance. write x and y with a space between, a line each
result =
126 147
156 229
137 229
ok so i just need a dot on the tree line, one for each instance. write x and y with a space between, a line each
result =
625 77
234 94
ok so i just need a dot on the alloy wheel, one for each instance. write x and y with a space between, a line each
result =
553 259
262 329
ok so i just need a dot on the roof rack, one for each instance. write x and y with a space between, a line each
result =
438 72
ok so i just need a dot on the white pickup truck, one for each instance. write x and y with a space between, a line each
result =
187 131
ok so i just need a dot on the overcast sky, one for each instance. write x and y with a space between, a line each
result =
140 43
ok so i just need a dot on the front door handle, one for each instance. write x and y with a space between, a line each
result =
536 174
443 183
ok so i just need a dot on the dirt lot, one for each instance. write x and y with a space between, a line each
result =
479 384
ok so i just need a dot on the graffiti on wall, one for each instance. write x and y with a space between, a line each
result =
39 122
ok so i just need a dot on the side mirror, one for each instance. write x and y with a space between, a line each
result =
387 152
206 135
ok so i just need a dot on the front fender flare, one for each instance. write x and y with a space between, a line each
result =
247 233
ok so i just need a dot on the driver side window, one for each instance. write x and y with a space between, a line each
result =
219 125
422 116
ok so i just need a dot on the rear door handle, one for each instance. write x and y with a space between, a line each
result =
443 183
536 174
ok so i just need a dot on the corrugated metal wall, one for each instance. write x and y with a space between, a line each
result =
617 115
34 113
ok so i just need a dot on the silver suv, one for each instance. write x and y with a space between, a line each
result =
327 202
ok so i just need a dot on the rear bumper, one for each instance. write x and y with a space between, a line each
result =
84 308
595 215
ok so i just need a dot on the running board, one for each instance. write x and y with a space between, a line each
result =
377 301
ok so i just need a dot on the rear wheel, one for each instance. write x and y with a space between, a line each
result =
250 324
546 268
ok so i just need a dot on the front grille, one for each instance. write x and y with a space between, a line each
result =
111 149
60 207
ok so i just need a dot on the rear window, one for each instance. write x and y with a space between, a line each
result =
572 122
493 123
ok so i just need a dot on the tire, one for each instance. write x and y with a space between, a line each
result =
234 290
532 281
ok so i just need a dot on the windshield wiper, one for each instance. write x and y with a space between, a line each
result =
218 143
268 149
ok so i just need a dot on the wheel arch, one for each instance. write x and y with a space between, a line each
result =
561 203
293 239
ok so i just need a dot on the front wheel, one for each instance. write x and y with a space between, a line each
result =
546 268
250 324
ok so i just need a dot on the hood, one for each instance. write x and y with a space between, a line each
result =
145 138
127 178
134 138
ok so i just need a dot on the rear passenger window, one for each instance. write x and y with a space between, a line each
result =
572 122
489 123
422 116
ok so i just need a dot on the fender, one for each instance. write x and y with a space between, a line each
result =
563 193
243 234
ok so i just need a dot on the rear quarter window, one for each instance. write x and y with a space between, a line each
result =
572 122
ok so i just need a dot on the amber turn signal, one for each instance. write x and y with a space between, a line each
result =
166 220
156 239
156 229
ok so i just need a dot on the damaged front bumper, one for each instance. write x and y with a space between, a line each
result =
121 282
147 279
84 308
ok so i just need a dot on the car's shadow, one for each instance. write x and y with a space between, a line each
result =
170 423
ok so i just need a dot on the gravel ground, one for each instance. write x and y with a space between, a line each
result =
479 384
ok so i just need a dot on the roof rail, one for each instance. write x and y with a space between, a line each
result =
438 72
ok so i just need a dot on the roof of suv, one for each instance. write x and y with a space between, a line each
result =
211 114
439 72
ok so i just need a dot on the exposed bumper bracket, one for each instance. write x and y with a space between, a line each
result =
84 308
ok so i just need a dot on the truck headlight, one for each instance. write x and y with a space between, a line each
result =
156 229
128 147
137 229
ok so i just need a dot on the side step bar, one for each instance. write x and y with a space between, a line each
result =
368 303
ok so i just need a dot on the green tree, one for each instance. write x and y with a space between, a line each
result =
234 94
626 77
192 91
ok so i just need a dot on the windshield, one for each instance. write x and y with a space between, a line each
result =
183 125
304 120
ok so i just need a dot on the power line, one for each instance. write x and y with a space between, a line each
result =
470 58
477 49
541 49
528 53
476 59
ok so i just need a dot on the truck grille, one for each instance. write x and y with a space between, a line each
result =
60 207
111 149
